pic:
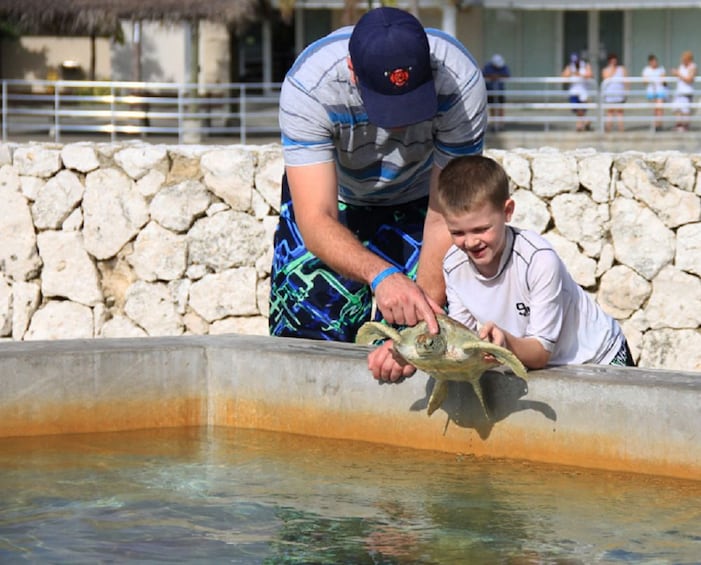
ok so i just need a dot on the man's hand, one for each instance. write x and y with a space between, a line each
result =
385 366
403 302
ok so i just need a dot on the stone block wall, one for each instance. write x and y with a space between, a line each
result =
134 239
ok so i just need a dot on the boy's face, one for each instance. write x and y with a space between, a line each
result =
481 234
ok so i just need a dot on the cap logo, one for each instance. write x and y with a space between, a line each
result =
398 77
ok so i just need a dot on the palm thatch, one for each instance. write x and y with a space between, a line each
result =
101 17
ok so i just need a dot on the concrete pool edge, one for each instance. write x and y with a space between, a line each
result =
638 420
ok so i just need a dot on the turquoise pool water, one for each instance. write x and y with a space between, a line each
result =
245 496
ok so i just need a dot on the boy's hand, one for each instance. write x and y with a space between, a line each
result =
384 366
493 333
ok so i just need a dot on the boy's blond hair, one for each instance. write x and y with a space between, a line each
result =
472 181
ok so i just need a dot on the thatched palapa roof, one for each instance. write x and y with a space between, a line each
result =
101 17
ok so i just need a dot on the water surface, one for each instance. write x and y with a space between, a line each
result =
245 496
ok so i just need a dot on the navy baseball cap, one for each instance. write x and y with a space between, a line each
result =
392 64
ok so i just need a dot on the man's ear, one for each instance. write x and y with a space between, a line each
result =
509 207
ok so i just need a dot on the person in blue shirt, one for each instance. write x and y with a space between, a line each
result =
495 71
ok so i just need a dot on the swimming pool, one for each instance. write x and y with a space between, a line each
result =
201 495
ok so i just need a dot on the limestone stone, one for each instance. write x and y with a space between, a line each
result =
228 239
669 349
19 258
150 183
268 175
30 186
9 180
263 296
6 150
229 293
151 307
5 307
68 270
595 175
37 160
176 207
606 259
56 200
581 267
259 206
688 257
634 337
180 292
99 317
117 276
518 168
114 212
680 171
554 173
26 297
579 219
61 319
251 325
640 239
672 205
80 157
196 272
622 291
675 301
184 167
159 254
121 326
138 160
229 173
217 207
530 211
74 221
195 324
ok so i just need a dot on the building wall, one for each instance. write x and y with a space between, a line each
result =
163 53
40 57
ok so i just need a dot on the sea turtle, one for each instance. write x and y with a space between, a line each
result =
456 353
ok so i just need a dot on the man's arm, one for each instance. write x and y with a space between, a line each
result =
314 192
436 242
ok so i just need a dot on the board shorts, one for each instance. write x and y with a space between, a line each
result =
624 358
310 300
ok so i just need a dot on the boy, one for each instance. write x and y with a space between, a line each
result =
510 281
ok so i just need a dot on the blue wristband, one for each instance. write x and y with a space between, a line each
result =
383 275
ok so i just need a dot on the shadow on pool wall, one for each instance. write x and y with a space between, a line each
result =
625 419
134 239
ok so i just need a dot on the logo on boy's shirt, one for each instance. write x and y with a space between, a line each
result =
523 310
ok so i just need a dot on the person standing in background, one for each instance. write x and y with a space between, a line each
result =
614 91
684 93
495 71
578 71
657 91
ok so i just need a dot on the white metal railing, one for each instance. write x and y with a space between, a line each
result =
542 103
188 111
40 108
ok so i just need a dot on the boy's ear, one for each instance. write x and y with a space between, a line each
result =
509 207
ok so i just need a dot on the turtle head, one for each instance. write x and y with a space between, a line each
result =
430 345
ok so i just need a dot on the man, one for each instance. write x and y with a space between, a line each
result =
369 116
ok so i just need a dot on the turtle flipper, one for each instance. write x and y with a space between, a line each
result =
370 331
501 354
440 391
477 387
